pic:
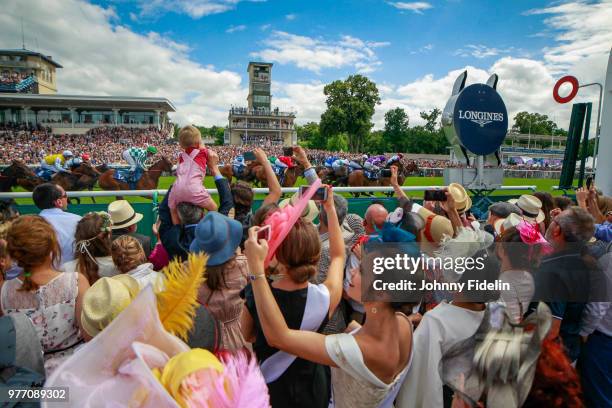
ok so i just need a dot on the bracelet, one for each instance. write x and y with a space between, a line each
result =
253 278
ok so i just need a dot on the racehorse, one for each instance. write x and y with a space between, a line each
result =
18 174
83 176
291 175
227 171
358 178
148 181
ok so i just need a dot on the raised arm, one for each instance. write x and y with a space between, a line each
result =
304 344
337 256
395 184
274 187
310 174
226 201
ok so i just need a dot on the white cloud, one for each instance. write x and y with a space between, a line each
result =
265 27
315 54
233 29
291 17
193 8
416 6
102 57
481 51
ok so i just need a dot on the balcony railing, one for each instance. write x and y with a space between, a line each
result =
259 112
266 126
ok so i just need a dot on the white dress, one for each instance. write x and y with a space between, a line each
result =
353 384
106 267
51 308
145 275
441 328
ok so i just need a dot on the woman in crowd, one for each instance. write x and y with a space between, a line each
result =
359 376
93 248
295 381
226 275
519 254
130 258
51 299
548 204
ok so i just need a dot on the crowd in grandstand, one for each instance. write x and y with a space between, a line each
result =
281 310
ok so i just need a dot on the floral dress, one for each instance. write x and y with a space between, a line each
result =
51 308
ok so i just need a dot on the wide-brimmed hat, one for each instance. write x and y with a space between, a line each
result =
218 236
105 300
510 221
122 214
310 213
436 227
531 206
463 202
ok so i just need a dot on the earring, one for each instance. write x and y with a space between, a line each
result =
373 310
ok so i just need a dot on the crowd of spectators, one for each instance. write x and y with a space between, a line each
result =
275 308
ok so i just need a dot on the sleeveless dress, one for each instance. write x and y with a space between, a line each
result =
188 185
51 308
353 384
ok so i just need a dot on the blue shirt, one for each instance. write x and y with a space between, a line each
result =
64 224
603 232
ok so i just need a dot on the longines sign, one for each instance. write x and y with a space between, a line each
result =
481 118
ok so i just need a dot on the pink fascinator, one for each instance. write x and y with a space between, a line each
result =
284 219
530 234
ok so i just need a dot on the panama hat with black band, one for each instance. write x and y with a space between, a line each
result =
122 214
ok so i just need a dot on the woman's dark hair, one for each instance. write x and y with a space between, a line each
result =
262 213
90 237
489 273
521 255
215 275
242 194
547 205
563 202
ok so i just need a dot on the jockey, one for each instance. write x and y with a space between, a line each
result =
136 157
85 157
239 164
73 163
396 158
284 162
56 163
374 163
330 161
339 164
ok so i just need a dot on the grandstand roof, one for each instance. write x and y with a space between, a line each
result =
47 58
85 101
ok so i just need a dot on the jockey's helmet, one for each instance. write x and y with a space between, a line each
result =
67 153
85 157
151 149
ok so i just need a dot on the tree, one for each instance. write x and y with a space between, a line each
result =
536 124
375 143
350 107
310 136
430 138
396 130
431 119
214 132
338 143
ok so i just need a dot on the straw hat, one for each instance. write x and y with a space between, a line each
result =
436 226
510 221
105 300
122 214
531 206
310 213
463 202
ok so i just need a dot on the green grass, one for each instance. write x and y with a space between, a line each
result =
166 182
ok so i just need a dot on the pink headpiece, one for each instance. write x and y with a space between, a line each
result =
530 234
282 221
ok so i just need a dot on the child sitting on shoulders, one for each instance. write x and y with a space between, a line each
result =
190 173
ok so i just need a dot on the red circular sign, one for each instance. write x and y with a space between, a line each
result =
565 99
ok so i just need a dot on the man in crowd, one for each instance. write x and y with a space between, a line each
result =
497 211
125 222
52 200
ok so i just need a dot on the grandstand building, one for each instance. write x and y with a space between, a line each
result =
28 96
27 71
258 123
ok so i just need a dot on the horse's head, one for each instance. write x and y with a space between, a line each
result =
87 170
163 164
18 169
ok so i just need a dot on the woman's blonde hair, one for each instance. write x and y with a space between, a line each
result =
189 136
127 253
30 242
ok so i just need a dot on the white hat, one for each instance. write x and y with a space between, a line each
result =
531 207
122 214
503 224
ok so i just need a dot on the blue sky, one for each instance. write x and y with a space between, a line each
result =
195 52
419 42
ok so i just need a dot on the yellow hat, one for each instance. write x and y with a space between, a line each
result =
105 299
182 365
463 202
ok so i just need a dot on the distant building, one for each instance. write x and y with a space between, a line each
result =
25 71
28 95
259 124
